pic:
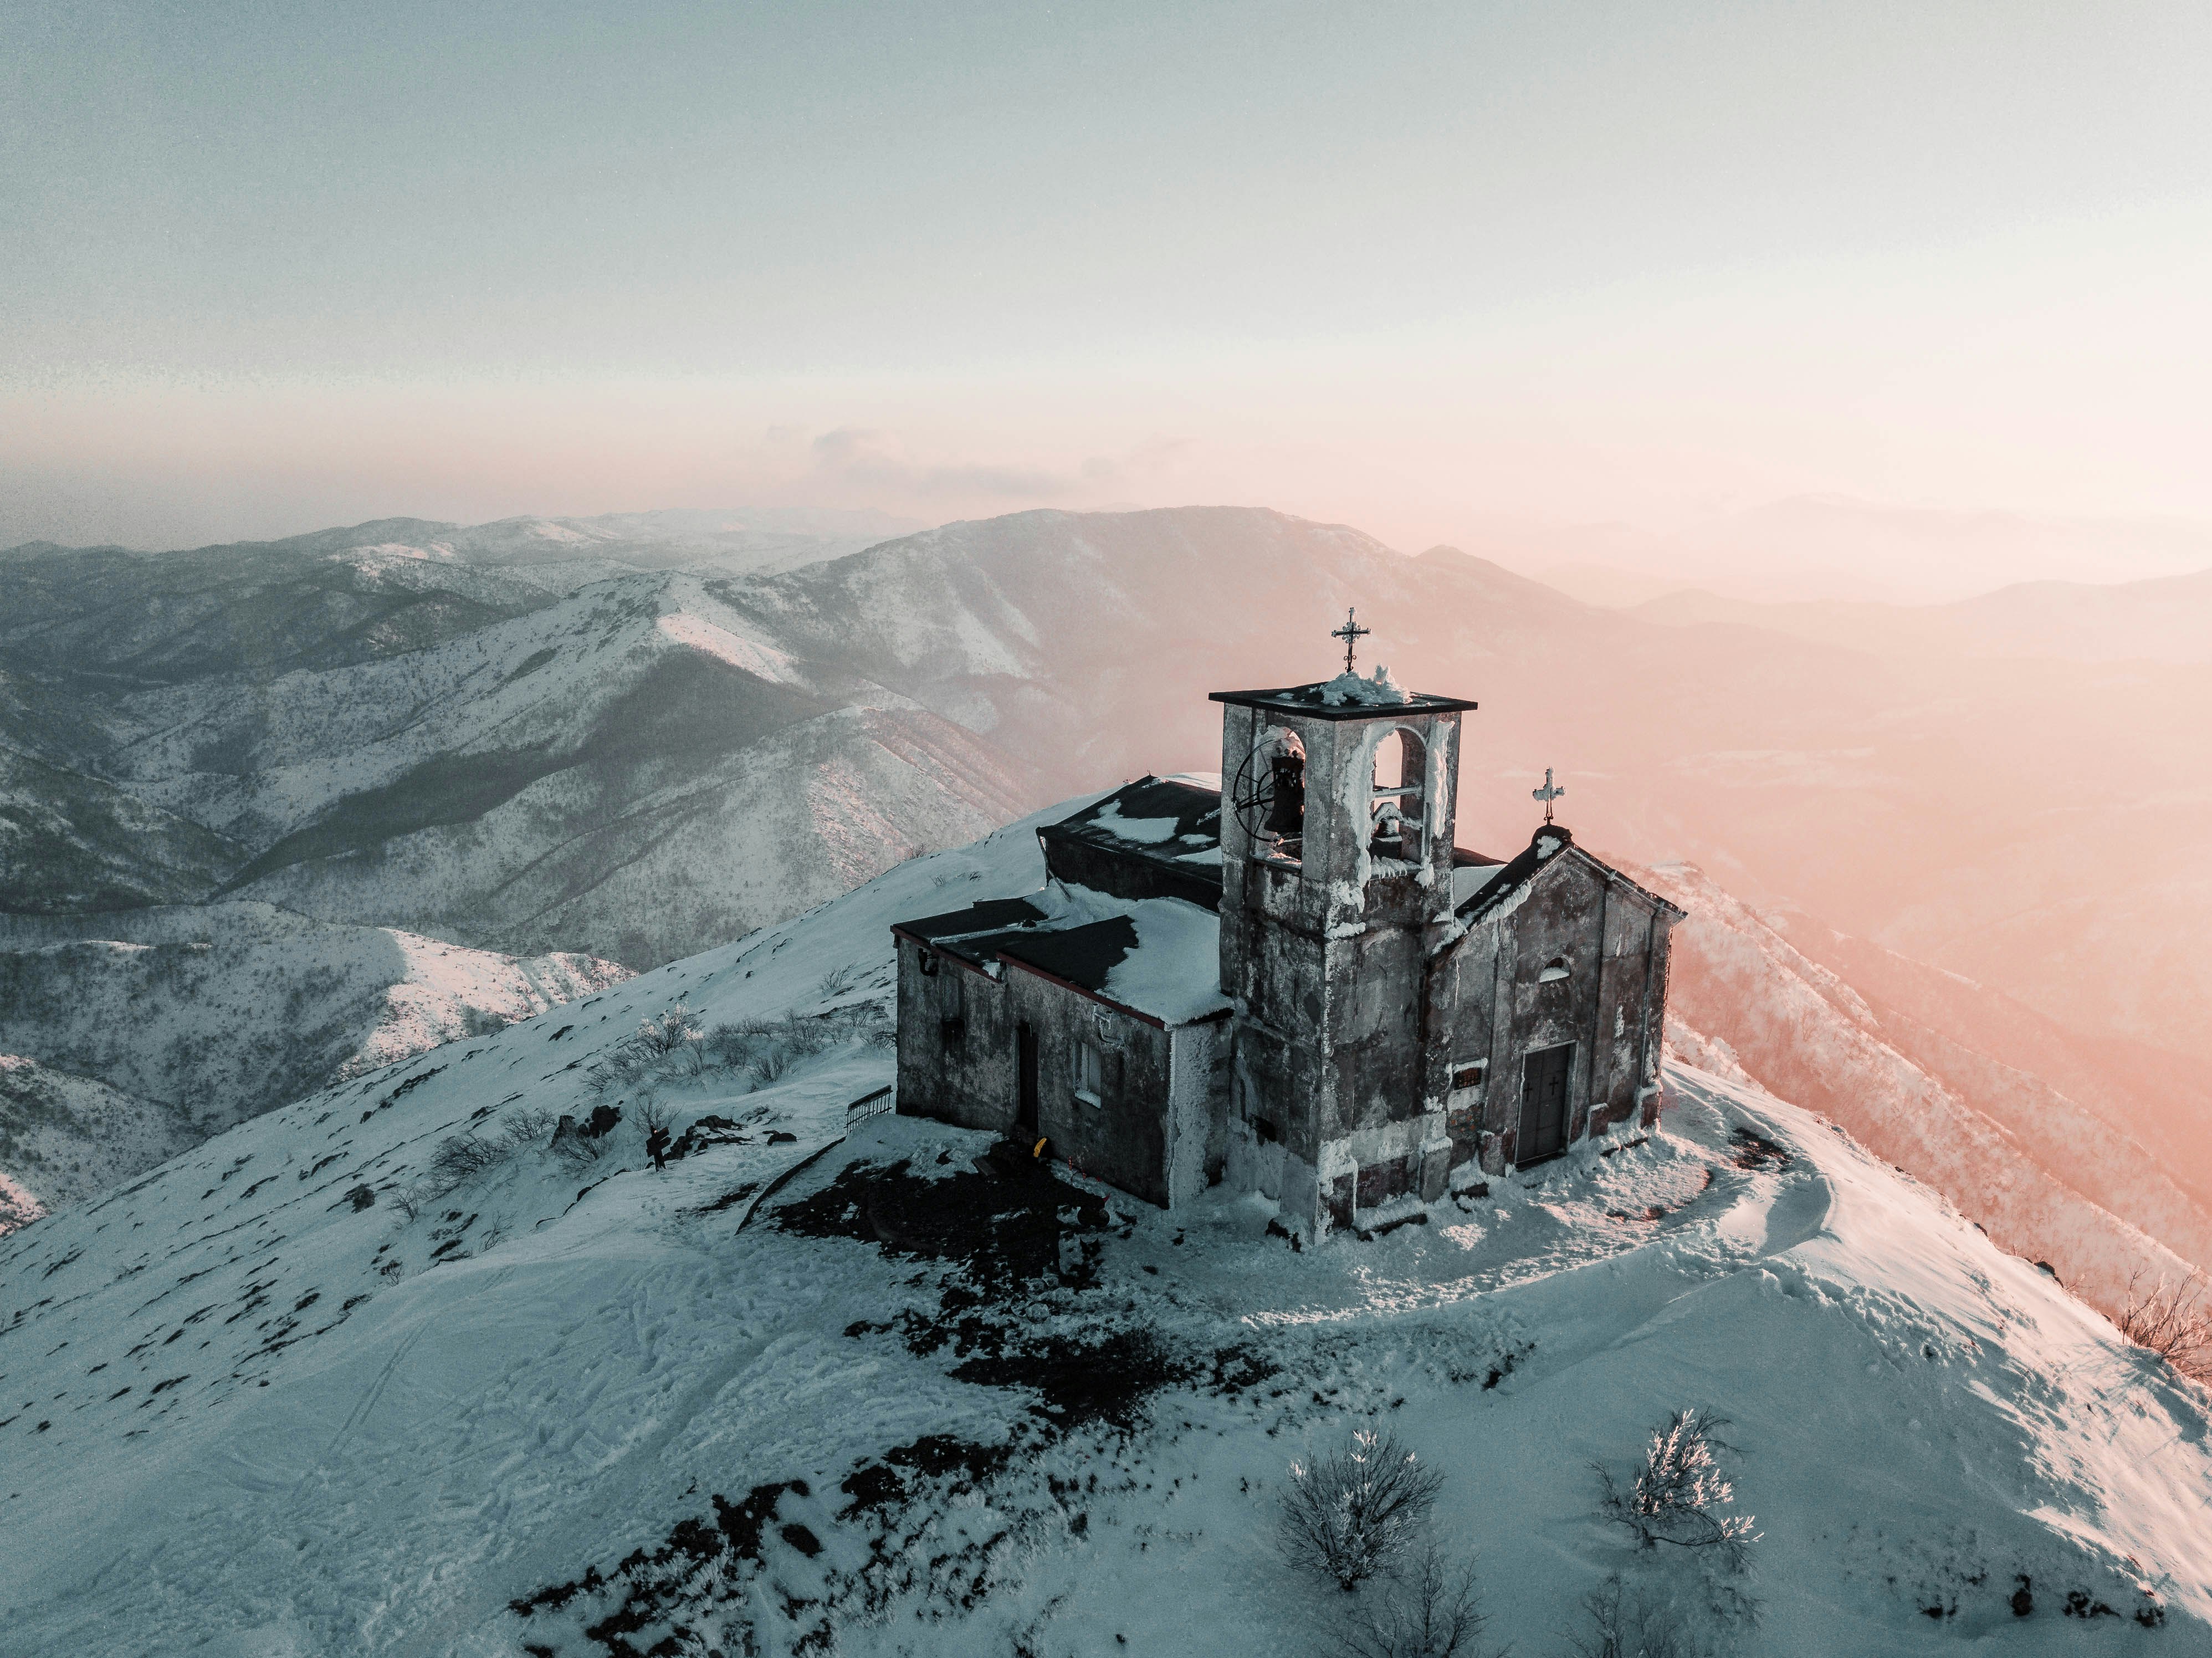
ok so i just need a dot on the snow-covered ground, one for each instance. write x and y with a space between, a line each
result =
64 1138
2050 1178
152 1029
244 1410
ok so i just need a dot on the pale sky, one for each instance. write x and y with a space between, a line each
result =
1417 268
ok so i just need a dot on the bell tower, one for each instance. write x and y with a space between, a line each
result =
1336 849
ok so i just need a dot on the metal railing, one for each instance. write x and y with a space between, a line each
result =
871 1105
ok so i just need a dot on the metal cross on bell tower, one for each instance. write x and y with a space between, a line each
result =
1548 794
1350 632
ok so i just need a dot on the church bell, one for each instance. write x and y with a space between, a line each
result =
1286 805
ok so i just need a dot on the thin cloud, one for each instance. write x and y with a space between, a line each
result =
878 460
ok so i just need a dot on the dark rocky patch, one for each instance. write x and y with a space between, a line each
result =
1754 1150
729 1199
709 1130
1004 1233
893 1478
1106 1381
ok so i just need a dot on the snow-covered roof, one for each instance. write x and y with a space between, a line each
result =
988 916
1160 837
1158 958
1345 697
1471 872
1481 888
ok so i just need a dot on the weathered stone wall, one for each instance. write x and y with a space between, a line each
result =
1197 1123
967 1077
1121 1139
1611 1005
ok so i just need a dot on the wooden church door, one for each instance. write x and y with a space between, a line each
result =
1544 1104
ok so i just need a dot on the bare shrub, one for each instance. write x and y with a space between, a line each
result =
1431 1611
461 1159
1619 1624
527 1129
1355 1513
767 1048
837 981
579 1153
1678 1495
651 1115
606 1074
808 1037
2172 1320
733 1046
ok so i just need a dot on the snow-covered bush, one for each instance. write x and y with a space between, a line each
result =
1619 1624
1678 1495
671 1033
1354 1513
668 1044
1429 1611
2173 1320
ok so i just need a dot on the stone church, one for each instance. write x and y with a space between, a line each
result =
1298 984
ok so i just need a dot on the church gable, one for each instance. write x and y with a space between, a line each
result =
1556 995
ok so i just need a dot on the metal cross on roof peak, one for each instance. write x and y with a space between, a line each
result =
1350 632
1548 794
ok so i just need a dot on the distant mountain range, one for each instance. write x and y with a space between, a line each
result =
574 737
1821 548
2166 619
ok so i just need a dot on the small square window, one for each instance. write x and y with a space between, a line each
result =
1090 1074
1470 1076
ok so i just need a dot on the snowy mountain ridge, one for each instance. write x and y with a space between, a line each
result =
2050 1178
182 1021
359 754
274 1397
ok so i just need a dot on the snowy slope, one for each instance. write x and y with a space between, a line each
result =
195 1016
2051 1179
240 1413
465 739
64 1138
524 786
69 842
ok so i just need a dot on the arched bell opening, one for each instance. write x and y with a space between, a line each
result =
1268 795
1398 796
